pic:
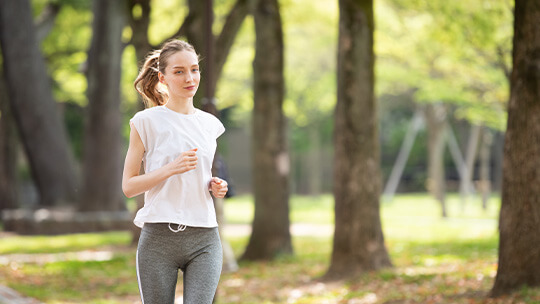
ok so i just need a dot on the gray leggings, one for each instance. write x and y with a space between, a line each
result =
161 252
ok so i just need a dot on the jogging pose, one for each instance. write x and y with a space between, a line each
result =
176 142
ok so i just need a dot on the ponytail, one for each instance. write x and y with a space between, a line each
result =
147 82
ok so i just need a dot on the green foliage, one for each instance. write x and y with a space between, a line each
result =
234 88
63 243
456 52
129 73
310 64
427 51
166 18
65 51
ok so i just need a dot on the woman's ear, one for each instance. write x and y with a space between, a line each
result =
161 77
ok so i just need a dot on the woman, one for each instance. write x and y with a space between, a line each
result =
177 143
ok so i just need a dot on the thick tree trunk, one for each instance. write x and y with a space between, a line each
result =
103 142
33 107
436 125
270 235
358 237
519 222
8 153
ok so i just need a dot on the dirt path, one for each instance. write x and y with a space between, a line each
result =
10 296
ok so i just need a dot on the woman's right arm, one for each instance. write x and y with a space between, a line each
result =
134 184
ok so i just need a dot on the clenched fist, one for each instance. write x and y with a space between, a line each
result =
218 187
187 161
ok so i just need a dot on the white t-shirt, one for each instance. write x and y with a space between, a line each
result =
182 199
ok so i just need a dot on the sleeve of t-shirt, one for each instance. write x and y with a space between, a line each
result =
138 122
220 128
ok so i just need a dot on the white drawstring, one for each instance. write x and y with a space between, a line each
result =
180 228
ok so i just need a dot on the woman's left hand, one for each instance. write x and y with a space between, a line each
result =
218 187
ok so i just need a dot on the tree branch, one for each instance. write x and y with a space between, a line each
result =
45 21
230 29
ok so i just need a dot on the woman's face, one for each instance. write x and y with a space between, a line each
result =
181 74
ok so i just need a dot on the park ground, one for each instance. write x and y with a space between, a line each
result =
452 260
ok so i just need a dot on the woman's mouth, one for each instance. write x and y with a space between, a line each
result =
190 88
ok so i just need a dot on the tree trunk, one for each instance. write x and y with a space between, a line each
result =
408 142
358 237
270 234
205 45
313 161
485 160
455 152
466 182
139 39
519 222
197 23
139 28
103 142
436 123
34 110
8 153
498 151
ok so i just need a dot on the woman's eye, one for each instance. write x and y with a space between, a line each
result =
179 72
195 70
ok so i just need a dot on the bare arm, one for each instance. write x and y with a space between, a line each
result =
134 184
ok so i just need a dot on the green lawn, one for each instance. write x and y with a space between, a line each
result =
436 260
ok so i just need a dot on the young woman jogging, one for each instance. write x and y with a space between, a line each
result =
176 142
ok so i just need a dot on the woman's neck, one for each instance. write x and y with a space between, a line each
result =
182 106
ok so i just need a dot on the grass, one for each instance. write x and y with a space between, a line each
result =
435 260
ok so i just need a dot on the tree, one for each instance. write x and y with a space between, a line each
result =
358 237
270 235
33 107
197 28
457 57
519 222
8 153
102 146
436 129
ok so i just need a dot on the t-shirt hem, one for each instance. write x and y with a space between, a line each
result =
140 223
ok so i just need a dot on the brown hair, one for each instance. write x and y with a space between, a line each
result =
147 82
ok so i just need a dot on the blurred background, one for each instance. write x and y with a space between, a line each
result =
437 64
441 87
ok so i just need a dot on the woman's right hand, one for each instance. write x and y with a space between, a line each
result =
187 161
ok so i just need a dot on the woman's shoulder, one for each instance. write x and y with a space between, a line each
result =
207 115
148 113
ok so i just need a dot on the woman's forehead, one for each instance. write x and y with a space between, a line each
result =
183 59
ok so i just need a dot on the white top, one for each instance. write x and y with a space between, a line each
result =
183 199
